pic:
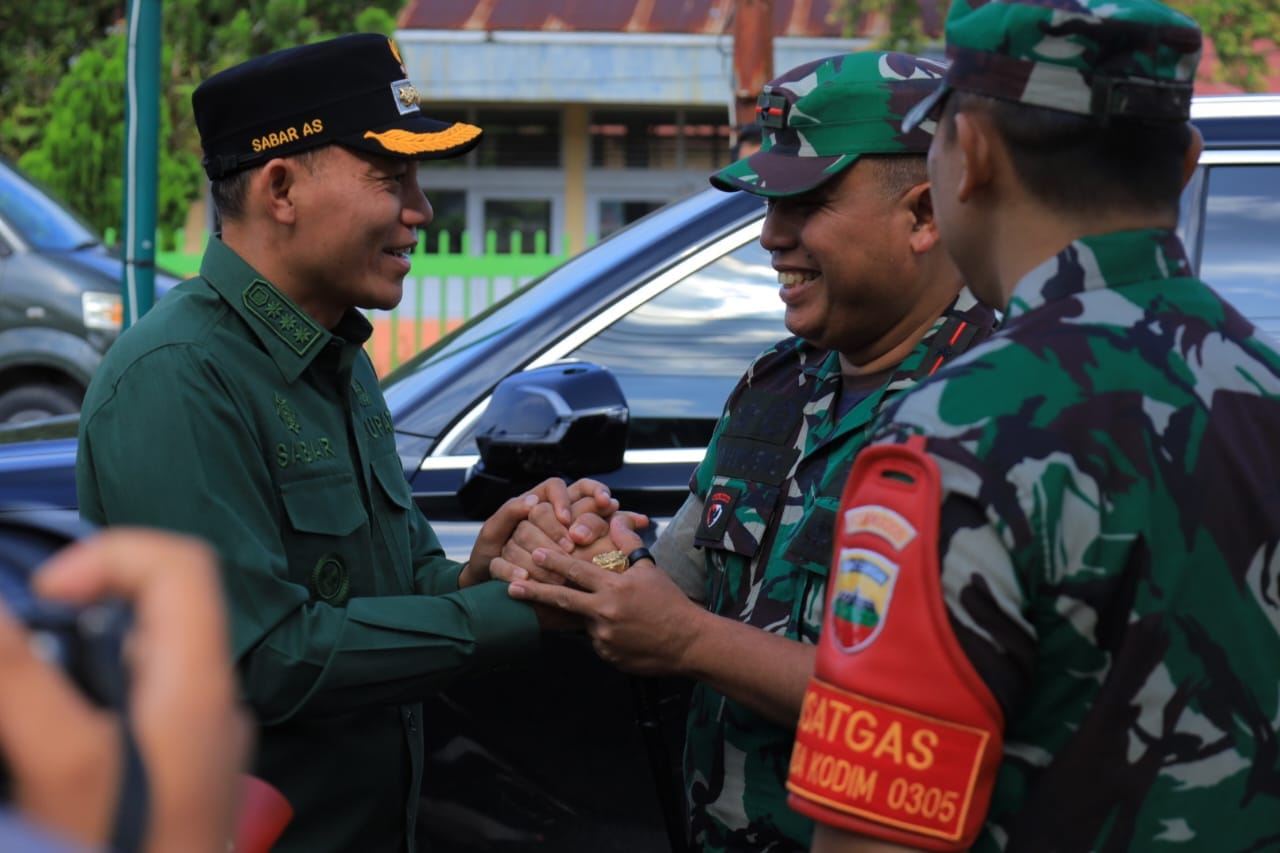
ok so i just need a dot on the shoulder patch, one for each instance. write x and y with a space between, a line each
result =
290 324
883 522
863 588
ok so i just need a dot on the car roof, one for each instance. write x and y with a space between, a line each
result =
1235 121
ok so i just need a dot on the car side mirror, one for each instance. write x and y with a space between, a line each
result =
567 419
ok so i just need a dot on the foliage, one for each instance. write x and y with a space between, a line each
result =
38 40
1237 27
84 163
62 77
900 23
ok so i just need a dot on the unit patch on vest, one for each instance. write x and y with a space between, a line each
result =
717 512
297 330
860 600
329 580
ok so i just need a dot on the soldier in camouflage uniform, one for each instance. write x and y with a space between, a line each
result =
1057 617
875 305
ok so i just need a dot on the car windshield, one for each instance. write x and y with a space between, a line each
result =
39 219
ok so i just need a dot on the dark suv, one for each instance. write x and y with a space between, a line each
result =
565 754
60 305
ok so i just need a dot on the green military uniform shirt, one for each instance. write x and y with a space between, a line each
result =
770 485
228 413
1110 547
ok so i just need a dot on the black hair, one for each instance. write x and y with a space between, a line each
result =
897 173
1080 163
228 193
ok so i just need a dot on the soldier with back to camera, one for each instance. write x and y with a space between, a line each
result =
1055 620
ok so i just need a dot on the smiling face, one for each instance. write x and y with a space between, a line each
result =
357 220
850 277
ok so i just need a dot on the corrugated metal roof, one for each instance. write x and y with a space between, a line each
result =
791 18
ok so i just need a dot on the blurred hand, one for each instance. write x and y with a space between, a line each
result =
65 754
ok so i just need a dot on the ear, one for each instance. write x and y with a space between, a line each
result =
275 185
975 139
1191 159
924 228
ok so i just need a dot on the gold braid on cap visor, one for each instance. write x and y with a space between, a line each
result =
407 142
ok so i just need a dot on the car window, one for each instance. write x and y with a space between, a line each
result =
1238 246
678 355
40 220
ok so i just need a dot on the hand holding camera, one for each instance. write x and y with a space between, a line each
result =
61 728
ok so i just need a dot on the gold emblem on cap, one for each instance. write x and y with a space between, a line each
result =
408 96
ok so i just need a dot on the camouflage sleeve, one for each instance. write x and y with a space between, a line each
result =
675 553
985 533
984 599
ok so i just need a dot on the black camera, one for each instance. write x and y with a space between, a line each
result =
85 642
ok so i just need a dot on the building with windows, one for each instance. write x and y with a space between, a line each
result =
595 111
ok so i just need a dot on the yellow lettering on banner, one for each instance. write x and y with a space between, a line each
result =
836 775
861 731
923 742
860 740
890 743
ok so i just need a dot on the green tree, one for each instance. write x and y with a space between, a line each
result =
84 163
62 85
1239 28
1243 31
38 40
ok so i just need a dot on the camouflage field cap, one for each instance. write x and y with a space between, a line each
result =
820 117
1102 58
352 90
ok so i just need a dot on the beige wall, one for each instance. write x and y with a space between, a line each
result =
576 157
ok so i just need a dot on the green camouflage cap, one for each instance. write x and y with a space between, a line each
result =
819 117
1100 58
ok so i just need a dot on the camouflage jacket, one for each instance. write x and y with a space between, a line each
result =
1110 541
770 485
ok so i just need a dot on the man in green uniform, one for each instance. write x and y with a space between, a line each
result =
873 305
243 409
1056 621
